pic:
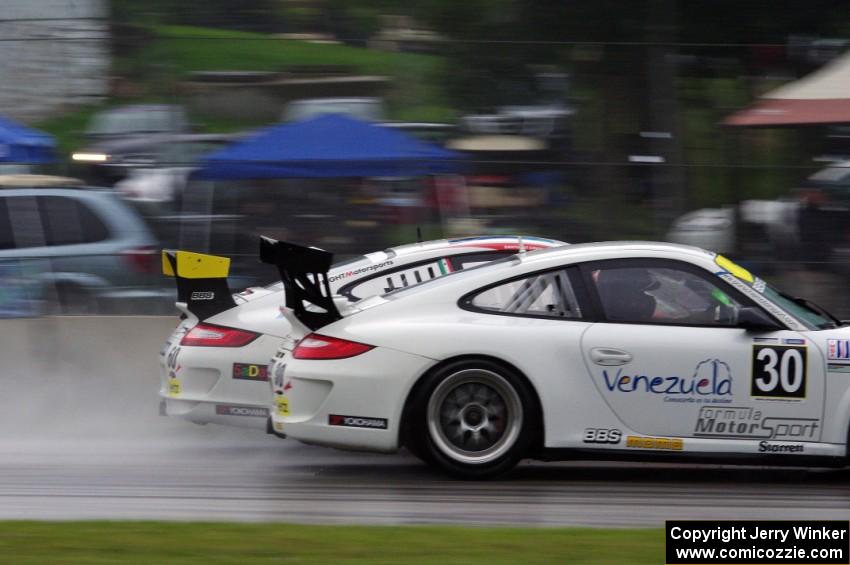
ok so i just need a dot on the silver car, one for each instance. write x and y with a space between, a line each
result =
73 250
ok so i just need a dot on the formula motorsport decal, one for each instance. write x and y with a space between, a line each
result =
711 382
730 422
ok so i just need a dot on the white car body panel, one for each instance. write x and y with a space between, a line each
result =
368 384
208 392
693 389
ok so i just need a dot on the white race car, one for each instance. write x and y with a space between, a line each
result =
610 350
213 367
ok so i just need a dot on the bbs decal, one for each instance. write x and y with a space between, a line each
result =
779 371
601 435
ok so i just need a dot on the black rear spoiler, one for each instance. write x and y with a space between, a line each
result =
201 281
304 272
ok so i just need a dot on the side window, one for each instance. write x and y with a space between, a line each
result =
548 294
402 278
460 262
662 295
67 221
25 221
414 274
7 238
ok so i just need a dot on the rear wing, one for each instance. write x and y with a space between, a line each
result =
201 281
304 272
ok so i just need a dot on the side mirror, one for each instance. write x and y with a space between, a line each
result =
754 320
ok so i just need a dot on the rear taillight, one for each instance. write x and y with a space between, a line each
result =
142 259
317 346
208 335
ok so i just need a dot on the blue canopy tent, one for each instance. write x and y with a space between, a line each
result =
328 146
19 144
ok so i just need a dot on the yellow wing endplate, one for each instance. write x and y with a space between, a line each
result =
189 265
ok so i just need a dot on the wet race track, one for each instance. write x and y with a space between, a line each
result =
80 439
234 476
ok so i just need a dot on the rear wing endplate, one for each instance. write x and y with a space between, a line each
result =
201 281
304 272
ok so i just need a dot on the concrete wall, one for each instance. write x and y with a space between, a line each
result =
53 54
80 375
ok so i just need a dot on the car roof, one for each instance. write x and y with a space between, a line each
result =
38 181
541 259
584 251
143 108
337 99
483 242
154 139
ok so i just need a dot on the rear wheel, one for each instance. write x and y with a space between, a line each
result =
474 419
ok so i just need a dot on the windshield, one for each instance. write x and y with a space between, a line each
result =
366 109
806 312
801 309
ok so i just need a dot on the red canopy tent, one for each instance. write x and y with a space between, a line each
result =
821 97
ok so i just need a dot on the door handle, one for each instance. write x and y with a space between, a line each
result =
608 357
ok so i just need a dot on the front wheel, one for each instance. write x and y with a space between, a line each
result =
474 419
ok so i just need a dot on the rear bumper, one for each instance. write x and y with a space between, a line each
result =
202 385
202 412
353 403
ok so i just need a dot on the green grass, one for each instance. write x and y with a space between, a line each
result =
67 128
189 49
414 94
175 543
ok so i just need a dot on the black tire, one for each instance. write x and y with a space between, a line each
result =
474 419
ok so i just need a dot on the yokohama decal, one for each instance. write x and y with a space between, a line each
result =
357 422
233 410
